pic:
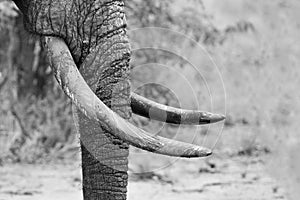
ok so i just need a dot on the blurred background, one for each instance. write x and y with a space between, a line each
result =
239 58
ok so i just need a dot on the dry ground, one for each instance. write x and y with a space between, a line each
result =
232 179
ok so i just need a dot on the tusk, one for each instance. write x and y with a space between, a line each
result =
152 110
75 87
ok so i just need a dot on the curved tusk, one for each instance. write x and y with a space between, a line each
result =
152 110
78 91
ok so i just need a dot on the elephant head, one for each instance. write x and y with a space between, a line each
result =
89 52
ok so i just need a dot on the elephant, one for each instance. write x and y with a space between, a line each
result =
89 52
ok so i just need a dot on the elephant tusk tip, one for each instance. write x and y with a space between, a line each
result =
209 153
204 152
200 152
217 118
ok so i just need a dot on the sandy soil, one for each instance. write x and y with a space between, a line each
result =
235 178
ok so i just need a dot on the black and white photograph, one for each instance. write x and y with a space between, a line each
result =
149 100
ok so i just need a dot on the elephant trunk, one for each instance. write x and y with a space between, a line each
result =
106 70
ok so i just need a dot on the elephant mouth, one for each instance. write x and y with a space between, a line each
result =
75 87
